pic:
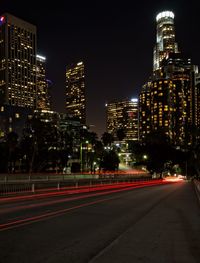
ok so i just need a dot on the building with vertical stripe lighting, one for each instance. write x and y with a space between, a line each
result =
43 96
170 101
75 92
17 62
123 114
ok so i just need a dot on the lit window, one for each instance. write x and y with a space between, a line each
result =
17 115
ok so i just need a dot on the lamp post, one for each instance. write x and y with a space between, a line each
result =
186 169
81 157
81 154
145 157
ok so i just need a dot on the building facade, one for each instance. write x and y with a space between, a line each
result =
17 62
18 90
123 115
43 96
165 38
145 111
75 92
170 99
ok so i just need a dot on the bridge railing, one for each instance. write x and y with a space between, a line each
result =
23 184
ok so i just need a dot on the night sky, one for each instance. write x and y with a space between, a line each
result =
115 39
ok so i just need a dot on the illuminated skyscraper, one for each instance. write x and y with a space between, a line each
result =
165 38
43 97
169 102
75 92
17 62
145 110
123 115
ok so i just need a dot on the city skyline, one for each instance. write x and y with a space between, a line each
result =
108 39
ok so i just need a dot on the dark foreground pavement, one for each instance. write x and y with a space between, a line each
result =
154 224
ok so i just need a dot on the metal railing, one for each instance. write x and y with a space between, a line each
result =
32 183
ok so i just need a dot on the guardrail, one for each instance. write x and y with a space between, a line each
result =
56 183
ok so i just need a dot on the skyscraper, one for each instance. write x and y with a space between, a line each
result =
75 92
43 97
145 110
123 115
17 62
170 99
165 38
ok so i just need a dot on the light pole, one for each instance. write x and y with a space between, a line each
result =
81 157
81 154
186 169
145 157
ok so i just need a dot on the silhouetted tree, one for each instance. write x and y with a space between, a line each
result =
110 161
12 147
120 134
107 139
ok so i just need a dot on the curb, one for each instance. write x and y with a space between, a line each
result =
197 188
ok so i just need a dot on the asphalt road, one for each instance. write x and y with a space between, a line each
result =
152 224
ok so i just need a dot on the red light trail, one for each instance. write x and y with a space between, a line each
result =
103 191
74 190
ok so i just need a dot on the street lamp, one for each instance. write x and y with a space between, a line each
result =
145 157
81 154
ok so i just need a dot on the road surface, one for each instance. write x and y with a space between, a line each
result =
152 224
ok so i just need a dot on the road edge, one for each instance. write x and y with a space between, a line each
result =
197 188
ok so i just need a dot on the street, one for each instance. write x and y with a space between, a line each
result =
152 224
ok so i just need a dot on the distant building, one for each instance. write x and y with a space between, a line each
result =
47 116
18 91
170 101
162 106
123 115
165 38
75 92
145 110
13 119
71 131
43 96
17 62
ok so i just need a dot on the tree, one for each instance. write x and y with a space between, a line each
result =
110 161
159 152
137 150
12 143
3 157
40 145
120 134
107 139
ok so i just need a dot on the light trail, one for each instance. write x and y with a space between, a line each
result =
72 190
87 190
48 215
